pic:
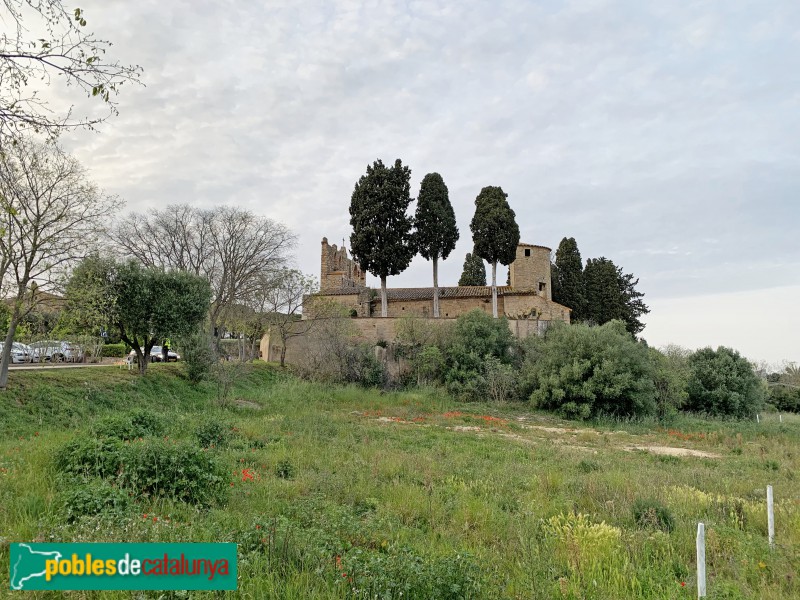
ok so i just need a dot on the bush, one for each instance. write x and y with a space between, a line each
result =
582 371
722 382
670 378
406 574
152 467
651 514
284 469
113 350
130 427
199 356
181 471
94 497
90 457
212 433
784 398
475 349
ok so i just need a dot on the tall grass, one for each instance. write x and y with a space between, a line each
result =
391 483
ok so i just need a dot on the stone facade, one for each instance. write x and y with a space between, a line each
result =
528 297
337 270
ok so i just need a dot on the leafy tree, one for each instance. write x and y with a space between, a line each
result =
43 39
144 304
437 233
583 371
723 382
495 232
611 294
382 239
670 377
567 275
474 272
50 214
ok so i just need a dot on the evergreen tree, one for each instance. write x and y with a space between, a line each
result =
382 239
474 272
567 275
611 294
437 233
495 232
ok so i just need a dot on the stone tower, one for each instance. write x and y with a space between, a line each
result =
530 270
337 270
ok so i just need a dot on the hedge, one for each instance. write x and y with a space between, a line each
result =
113 350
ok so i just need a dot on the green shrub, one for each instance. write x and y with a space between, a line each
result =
363 367
284 469
182 471
582 371
406 574
212 433
90 457
130 427
784 398
670 378
651 514
113 350
588 466
197 351
94 497
723 383
151 467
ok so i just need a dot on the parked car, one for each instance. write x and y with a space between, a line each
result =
31 354
58 351
156 355
19 353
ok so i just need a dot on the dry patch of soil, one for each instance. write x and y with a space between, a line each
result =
670 451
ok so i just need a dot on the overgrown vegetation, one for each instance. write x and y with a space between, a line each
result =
414 492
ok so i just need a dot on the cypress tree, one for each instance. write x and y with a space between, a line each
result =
567 274
474 272
495 232
437 233
382 239
611 294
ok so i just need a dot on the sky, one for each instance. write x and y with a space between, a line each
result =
662 135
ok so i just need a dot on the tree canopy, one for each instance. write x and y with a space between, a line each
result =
43 39
145 304
611 294
235 250
436 231
50 216
722 382
474 271
495 232
567 275
382 240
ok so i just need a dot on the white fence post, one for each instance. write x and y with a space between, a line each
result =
701 560
770 517
758 420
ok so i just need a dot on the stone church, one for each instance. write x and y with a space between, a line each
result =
529 297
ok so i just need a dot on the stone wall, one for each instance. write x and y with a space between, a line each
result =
337 270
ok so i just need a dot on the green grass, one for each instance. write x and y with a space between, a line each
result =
410 488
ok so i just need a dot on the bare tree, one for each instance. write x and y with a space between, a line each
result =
283 303
234 249
42 39
51 216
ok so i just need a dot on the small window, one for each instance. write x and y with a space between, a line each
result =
542 285
404 308
527 251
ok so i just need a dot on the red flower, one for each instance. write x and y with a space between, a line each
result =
258 526
247 475
344 574
683 584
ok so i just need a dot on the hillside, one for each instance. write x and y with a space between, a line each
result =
336 492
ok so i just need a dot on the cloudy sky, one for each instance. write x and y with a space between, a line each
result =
662 135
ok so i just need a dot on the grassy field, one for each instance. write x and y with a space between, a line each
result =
336 492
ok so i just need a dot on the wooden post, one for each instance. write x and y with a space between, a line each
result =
701 560
770 517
